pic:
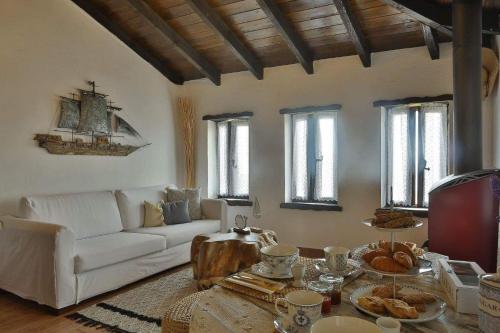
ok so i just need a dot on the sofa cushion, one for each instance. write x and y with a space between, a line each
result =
131 204
175 212
182 233
86 214
192 195
100 251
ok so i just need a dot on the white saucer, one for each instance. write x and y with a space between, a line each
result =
262 270
352 266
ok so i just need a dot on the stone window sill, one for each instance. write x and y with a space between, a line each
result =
316 206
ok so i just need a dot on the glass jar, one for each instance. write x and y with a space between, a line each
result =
336 294
489 302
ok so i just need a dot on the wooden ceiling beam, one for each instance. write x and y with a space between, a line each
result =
103 19
430 14
431 40
210 16
354 31
291 37
181 45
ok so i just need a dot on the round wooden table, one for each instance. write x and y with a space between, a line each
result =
215 256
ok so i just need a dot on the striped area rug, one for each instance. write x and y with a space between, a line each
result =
141 309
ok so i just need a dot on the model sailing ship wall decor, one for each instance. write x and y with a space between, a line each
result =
93 124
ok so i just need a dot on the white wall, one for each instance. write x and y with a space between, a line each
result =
50 48
394 74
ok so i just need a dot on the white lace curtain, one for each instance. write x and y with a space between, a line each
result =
324 146
326 153
239 159
300 178
399 156
427 127
233 157
435 141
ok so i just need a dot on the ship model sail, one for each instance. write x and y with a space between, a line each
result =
92 116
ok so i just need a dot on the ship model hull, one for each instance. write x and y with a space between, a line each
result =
55 145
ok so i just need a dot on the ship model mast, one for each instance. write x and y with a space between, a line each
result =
92 115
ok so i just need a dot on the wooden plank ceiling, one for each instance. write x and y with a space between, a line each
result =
192 39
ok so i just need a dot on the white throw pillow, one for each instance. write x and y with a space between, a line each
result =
191 195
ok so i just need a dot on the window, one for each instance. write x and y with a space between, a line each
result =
416 152
233 158
314 157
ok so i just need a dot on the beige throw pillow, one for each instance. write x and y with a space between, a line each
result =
191 195
153 215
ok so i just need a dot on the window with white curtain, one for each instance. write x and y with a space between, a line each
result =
233 158
416 152
314 157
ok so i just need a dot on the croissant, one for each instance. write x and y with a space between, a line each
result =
368 257
400 309
422 298
386 290
399 247
387 264
372 303
403 259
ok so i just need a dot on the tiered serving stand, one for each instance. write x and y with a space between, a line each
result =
423 266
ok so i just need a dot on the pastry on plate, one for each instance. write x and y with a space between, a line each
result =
420 307
403 222
386 264
420 298
368 257
403 259
399 247
372 303
387 216
399 309
386 291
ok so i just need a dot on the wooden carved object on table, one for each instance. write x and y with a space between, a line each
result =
215 256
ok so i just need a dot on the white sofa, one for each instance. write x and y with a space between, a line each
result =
67 248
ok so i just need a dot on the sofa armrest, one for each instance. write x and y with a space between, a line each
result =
37 261
215 209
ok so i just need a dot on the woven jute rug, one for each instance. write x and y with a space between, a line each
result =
141 309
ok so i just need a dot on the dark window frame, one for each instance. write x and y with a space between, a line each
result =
228 154
311 156
418 163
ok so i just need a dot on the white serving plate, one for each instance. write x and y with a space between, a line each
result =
352 266
261 270
368 222
423 266
434 310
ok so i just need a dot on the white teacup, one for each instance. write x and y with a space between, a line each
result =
388 325
304 309
336 258
279 258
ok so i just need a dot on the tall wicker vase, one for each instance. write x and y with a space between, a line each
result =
188 121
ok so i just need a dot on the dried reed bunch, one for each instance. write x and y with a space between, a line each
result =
188 120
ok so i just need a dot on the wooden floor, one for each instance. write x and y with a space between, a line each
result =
18 315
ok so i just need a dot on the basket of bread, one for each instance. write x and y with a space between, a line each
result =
400 258
404 302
